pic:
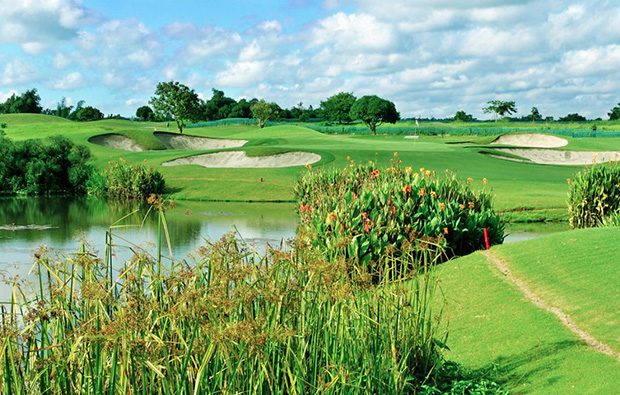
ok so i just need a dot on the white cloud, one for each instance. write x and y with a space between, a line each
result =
4 96
351 33
18 72
70 81
241 74
34 24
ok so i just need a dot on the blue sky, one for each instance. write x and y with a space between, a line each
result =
431 57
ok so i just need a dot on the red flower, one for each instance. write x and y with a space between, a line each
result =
407 189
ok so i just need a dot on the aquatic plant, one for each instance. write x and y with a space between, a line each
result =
230 321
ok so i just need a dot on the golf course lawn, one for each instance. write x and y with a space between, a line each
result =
517 186
495 330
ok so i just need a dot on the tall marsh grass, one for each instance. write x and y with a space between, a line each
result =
230 321
594 196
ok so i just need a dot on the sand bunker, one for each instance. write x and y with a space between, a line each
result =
559 157
179 141
116 141
239 159
534 140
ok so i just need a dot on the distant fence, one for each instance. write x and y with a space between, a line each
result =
459 131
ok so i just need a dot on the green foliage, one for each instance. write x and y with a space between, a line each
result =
27 102
34 167
454 380
219 106
373 111
594 195
176 99
145 113
263 111
229 322
373 217
499 107
337 108
614 114
88 113
572 118
127 181
535 115
462 116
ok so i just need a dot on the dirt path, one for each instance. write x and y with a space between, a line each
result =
590 340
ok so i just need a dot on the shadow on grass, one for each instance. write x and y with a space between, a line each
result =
536 365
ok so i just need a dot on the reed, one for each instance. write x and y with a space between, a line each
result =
228 321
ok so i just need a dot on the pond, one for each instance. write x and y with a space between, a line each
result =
61 224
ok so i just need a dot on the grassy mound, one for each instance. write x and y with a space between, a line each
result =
495 331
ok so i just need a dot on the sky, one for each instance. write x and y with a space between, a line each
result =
430 57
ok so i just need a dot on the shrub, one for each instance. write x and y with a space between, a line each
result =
52 166
593 195
373 217
127 181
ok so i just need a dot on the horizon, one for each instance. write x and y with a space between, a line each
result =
430 58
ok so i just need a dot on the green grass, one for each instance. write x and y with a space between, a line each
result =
495 330
516 185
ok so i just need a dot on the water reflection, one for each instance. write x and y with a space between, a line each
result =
61 224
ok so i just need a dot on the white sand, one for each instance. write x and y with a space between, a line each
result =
534 140
116 141
559 157
239 159
179 141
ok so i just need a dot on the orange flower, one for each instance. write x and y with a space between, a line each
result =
484 181
461 206
367 226
395 153
568 180
433 194
445 231
471 205
348 158
422 192
469 179
407 189
341 229
374 174
332 216
442 206
428 173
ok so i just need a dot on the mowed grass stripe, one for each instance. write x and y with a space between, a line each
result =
567 321
577 272
496 332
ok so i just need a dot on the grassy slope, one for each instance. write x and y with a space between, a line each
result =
516 185
492 326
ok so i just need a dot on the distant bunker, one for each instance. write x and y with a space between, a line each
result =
239 159
116 141
559 157
184 142
531 140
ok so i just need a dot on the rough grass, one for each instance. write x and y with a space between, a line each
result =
494 330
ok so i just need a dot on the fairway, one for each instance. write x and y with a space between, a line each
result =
496 330
516 185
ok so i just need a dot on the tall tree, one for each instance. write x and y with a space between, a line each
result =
218 106
176 99
145 113
462 116
264 111
614 114
373 111
89 113
500 108
27 102
62 109
337 108
535 115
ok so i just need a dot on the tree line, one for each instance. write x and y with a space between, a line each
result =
179 102
30 102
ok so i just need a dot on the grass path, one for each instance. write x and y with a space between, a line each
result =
567 321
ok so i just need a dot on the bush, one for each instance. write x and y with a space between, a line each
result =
35 167
127 181
374 217
594 194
